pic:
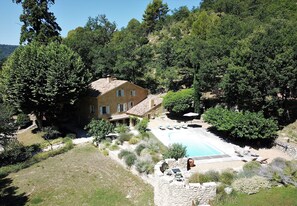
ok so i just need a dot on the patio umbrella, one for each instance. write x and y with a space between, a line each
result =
191 114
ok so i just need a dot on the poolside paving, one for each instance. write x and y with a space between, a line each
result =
228 160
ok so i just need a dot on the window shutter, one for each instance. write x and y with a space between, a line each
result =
119 107
125 107
123 93
107 110
101 111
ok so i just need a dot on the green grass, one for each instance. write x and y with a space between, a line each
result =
284 196
82 176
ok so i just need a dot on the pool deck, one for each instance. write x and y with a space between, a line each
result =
228 160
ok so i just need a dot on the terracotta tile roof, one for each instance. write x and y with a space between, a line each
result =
146 105
104 85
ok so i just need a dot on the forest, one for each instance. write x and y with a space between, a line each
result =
239 53
243 53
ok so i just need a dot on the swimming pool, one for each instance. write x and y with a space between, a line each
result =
196 147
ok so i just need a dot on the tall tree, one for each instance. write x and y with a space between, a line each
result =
7 124
154 15
43 79
39 23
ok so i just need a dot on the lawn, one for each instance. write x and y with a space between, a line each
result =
284 196
82 176
28 138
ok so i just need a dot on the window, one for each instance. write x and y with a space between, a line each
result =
92 109
133 93
130 105
122 107
120 93
104 110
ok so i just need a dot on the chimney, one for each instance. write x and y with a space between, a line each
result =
109 78
152 103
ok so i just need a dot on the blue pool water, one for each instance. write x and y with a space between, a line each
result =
195 146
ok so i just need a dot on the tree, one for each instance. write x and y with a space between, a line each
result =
176 151
179 102
43 80
7 125
99 129
154 15
39 24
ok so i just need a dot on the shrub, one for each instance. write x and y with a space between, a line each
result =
133 140
51 133
178 102
130 159
227 176
143 166
280 171
251 185
99 129
15 152
105 152
124 153
142 125
251 168
210 176
139 148
245 125
125 137
23 120
121 129
114 147
194 178
71 135
175 151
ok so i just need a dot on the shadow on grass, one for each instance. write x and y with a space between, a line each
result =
9 195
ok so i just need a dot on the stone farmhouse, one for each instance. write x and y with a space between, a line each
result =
117 101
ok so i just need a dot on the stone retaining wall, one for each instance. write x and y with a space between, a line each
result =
168 191
286 148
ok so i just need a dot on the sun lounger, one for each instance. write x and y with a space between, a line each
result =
162 128
184 126
176 126
262 160
169 127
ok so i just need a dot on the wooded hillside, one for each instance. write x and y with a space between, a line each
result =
6 50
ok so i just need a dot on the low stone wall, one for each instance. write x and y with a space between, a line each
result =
168 191
286 148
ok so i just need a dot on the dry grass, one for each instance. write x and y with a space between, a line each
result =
81 176
289 131
28 138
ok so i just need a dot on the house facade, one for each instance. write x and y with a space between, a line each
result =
110 99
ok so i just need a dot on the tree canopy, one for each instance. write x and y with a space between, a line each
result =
43 79
39 24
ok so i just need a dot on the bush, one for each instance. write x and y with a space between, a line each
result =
15 152
51 133
251 185
105 152
124 153
227 176
142 125
114 147
179 102
133 140
280 171
175 151
71 135
125 137
121 129
130 159
139 148
143 166
245 125
251 168
210 176
99 129
194 178
23 120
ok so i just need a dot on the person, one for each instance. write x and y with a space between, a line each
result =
190 163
